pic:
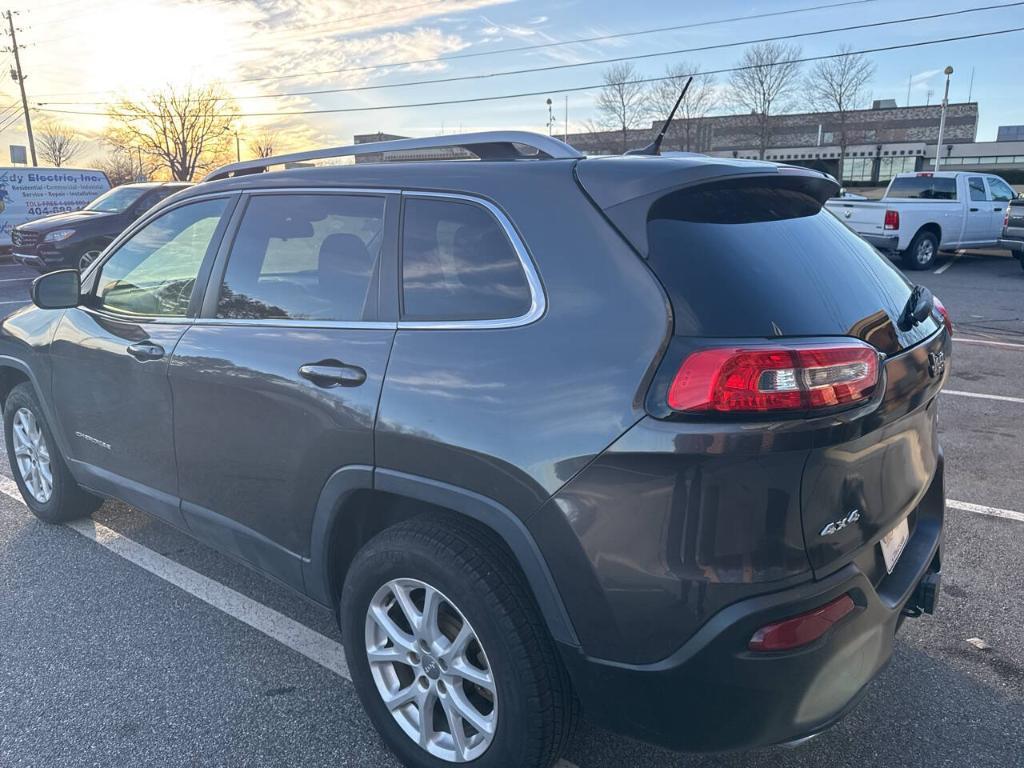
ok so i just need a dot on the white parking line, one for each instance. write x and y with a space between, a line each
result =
989 343
1003 398
20 301
980 509
16 279
326 652
948 264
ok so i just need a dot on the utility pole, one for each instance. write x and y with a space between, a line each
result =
18 77
565 135
942 120
238 148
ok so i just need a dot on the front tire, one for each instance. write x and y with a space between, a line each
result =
922 251
437 619
43 478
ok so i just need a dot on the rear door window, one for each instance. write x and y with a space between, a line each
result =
304 257
923 188
1001 191
977 187
458 264
763 259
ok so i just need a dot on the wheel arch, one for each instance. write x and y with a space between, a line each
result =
358 502
932 226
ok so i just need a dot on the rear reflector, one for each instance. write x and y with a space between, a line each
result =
782 378
944 313
892 220
800 630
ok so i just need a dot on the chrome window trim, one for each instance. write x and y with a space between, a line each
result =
538 300
283 322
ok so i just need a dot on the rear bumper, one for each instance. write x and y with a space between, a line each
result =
714 695
885 243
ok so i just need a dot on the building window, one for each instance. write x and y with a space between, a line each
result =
890 166
857 169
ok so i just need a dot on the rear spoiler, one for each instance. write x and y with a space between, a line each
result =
626 188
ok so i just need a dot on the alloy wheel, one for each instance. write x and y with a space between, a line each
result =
86 259
925 251
431 671
32 455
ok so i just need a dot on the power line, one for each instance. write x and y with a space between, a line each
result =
7 123
576 65
593 87
517 49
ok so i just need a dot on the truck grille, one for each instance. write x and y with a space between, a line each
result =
24 239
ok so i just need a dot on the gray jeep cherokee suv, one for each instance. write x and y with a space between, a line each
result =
650 438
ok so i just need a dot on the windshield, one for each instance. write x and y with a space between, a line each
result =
117 200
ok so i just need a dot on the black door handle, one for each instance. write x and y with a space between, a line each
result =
997 210
146 350
331 373
974 210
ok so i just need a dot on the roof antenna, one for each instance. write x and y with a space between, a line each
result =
654 148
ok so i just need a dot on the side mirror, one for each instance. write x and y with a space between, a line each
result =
57 290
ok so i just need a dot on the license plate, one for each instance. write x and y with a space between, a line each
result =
893 543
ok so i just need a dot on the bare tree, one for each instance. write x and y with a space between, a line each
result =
766 81
186 130
839 85
58 143
700 99
622 103
125 164
264 144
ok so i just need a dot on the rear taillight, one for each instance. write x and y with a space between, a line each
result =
1006 218
892 220
803 629
777 378
944 314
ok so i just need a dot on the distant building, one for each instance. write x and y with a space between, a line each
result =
882 141
1010 133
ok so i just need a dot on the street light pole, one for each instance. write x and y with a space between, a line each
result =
942 120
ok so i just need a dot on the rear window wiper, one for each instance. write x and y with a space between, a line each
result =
917 309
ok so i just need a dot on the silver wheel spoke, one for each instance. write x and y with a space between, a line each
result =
392 630
471 674
426 714
468 712
456 726
402 697
392 654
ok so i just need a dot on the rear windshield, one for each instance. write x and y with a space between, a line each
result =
923 188
763 259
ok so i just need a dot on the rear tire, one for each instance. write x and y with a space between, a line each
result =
39 470
922 251
529 712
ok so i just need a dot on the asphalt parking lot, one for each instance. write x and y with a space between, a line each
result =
125 643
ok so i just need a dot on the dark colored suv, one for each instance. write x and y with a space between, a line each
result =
75 239
652 438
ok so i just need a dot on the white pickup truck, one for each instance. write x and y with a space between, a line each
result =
924 212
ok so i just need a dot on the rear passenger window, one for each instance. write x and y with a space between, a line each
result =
458 264
977 186
304 257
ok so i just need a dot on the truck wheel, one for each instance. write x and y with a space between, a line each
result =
922 251
42 477
448 652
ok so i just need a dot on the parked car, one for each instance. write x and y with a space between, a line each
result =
923 213
28 193
1013 228
670 457
74 239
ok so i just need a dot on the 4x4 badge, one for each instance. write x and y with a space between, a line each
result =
841 523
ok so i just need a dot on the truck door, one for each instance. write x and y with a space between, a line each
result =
977 225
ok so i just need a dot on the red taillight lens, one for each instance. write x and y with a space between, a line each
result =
801 630
784 378
944 313
892 220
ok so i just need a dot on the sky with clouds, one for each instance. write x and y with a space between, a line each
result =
80 55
